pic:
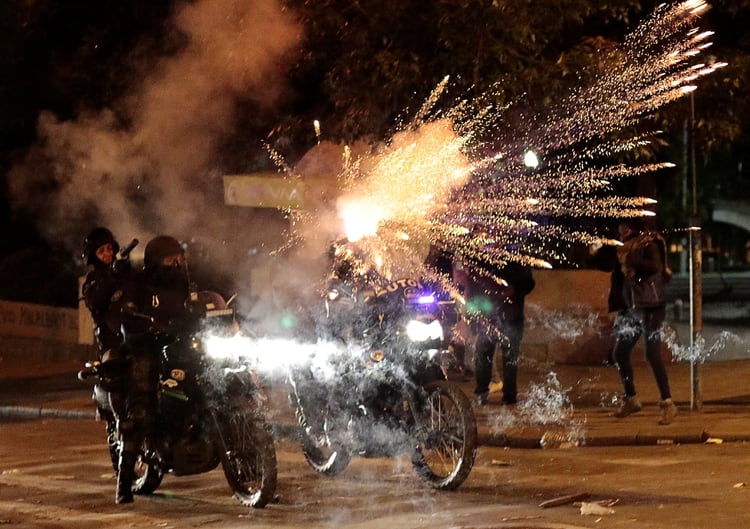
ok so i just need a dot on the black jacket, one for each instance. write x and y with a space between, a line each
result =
605 259
643 261
151 306
638 269
100 292
506 301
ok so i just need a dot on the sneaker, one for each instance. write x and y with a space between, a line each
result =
668 411
630 405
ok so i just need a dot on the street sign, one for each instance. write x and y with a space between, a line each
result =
264 190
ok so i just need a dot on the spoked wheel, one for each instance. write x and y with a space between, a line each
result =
249 459
321 440
148 470
447 436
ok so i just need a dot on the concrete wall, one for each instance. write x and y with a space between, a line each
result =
566 317
566 322
38 334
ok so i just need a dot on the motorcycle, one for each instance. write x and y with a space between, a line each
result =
209 413
389 393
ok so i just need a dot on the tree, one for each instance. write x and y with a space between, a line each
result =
365 62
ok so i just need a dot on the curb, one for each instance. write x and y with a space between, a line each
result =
486 437
26 412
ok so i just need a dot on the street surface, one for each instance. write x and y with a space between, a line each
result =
56 474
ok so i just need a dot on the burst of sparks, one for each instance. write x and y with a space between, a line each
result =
515 197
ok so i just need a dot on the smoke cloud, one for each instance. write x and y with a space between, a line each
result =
144 166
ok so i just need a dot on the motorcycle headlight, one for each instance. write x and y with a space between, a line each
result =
222 348
419 331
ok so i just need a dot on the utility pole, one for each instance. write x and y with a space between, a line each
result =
696 285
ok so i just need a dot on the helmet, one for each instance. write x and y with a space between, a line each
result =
158 248
97 238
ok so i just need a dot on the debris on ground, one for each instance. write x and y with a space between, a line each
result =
564 500
592 508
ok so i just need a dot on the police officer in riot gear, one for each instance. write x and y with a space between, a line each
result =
100 291
155 308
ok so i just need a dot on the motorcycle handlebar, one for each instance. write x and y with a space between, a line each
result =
130 312
83 374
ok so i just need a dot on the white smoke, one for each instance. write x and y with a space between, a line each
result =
144 165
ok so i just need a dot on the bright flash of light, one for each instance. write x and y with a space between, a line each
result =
457 179
530 159
226 348
361 218
274 357
420 331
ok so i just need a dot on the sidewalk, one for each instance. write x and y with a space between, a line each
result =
573 406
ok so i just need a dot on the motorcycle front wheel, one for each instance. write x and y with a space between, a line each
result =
446 436
319 439
148 471
249 458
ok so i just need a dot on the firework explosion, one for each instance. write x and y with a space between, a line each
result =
453 180
469 182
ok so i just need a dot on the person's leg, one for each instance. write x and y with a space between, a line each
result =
652 324
511 346
653 319
627 331
141 406
483 352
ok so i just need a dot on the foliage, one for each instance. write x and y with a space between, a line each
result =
367 61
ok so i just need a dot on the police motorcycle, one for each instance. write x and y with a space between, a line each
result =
389 393
209 411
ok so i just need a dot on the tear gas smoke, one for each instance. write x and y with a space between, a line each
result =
143 166
546 404
702 348
566 325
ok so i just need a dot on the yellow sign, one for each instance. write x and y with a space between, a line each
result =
264 190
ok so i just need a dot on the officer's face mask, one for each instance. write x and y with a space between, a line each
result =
173 271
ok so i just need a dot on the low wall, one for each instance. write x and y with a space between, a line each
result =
567 319
39 321
17 350
38 334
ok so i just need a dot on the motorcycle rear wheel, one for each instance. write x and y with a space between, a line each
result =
249 459
447 436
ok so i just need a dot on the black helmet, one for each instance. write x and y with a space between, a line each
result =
158 248
97 238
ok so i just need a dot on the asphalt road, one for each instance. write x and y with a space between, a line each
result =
55 474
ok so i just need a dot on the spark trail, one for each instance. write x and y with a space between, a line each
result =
468 182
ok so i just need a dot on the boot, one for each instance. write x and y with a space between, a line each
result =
629 406
125 476
668 411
